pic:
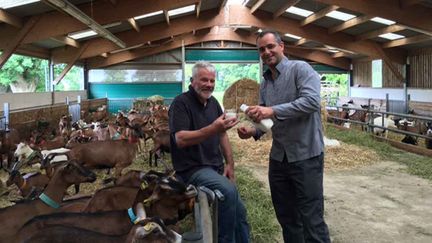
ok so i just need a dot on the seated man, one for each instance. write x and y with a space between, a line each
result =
198 141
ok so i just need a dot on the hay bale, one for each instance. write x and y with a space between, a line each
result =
243 91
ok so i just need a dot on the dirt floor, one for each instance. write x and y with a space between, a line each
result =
377 201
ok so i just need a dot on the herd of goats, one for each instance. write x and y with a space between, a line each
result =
136 206
353 113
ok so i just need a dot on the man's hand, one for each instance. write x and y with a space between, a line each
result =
229 172
246 132
222 123
257 113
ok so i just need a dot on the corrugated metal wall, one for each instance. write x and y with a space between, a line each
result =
421 68
362 72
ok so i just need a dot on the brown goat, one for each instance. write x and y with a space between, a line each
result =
161 144
28 184
116 154
8 141
150 230
14 217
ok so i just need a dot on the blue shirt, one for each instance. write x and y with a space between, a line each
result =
295 98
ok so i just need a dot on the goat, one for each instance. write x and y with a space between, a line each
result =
26 155
132 178
8 141
151 230
16 216
161 143
165 201
28 184
383 122
65 125
428 141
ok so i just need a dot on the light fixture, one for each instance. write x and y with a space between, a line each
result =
299 11
340 15
5 4
181 10
91 23
391 36
293 36
382 21
148 15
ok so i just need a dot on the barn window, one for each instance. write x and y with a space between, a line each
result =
377 73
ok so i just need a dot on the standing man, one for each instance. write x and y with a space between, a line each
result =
290 95
199 143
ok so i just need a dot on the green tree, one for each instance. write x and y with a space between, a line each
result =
24 73
113 76
72 80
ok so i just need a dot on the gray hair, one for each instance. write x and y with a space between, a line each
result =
202 64
273 32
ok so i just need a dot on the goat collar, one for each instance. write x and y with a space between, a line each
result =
133 218
48 201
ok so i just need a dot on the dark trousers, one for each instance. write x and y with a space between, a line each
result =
297 195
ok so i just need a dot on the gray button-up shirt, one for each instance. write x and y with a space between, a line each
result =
295 98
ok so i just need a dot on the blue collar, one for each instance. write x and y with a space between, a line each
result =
132 216
48 201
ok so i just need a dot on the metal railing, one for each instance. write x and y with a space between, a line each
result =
370 122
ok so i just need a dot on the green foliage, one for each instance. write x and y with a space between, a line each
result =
417 164
31 69
113 76
72 80
259 207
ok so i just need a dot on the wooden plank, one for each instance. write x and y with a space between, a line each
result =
375 33
407 41
257 5
16 40
350 23
10 19
320 14
287 5
71 63
66 40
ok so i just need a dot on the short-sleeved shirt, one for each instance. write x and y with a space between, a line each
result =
187 113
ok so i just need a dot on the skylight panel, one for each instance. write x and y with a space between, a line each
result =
391 36
299 11
340 15
383 21
5 4
182 10
293 36
148 15
82 34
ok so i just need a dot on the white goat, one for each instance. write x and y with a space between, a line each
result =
24 151
387 122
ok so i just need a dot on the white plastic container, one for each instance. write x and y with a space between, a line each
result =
265 125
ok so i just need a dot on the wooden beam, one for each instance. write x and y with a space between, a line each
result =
339 54
350 23
240 15
167 19
33 51
104 55
407 3
257 5
375 33
12 45
407 41
10 19
318 15
198 9
223 34
134 24
66 40
287 5
390 64
418 17
70 64
101 12
319 56
222 6
300 42
178 26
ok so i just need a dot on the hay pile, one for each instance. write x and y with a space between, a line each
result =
243 91
336 158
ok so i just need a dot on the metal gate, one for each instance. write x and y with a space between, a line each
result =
75 111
